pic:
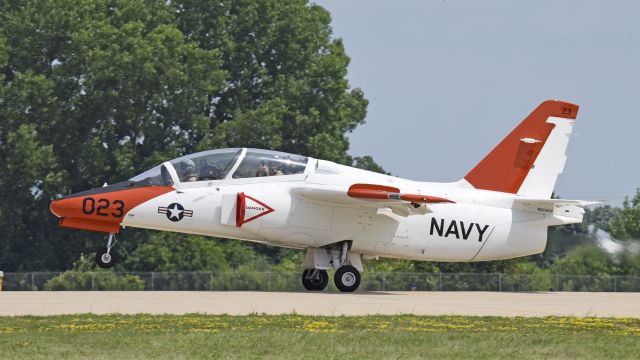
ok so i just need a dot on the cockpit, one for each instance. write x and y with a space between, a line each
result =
234 163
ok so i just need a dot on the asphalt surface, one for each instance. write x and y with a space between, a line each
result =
389 303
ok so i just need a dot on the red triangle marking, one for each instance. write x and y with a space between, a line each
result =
268 210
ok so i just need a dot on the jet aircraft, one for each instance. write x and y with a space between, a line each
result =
500 209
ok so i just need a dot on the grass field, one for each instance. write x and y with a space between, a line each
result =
294 336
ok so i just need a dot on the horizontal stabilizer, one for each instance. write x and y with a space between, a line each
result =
556 202
561 208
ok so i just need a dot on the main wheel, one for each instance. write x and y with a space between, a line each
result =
105 260
347 278
317 284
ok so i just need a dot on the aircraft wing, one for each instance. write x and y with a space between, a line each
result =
379 196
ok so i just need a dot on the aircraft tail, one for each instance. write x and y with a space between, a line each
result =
527 162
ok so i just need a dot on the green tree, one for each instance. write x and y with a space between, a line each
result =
85 276
285 78
628 263
584 260
600 217
29 174
95 91
165 252
367 163
626 223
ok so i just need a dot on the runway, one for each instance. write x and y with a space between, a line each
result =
389 303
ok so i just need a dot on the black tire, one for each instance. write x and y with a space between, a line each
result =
318 284
105 261
347 278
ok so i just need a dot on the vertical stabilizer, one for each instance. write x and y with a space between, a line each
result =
527 162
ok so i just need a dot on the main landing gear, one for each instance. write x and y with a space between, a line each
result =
314 279
347 278
106 258
337 256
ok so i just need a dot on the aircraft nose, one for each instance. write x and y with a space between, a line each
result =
103 209
67 208
83 212
57 207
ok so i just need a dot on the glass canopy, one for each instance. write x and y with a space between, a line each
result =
257 163
216 165
206 165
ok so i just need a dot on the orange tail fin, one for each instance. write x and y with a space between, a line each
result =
528 161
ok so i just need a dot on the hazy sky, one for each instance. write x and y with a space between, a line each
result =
447 80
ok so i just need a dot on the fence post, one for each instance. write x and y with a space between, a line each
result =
269 281
93 281
557 282
500 282
32 283
440 282
615 283
153 278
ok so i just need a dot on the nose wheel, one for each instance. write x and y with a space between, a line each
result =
106 258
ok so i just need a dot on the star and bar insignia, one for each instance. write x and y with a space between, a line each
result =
175 212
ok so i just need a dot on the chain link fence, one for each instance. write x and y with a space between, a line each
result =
289 281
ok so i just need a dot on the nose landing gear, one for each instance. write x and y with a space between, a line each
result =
106 258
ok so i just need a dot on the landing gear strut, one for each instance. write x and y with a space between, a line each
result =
348 266
106 258
315 279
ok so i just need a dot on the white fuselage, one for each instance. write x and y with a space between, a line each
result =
480 225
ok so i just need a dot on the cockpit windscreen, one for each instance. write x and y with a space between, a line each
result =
206 165
257 163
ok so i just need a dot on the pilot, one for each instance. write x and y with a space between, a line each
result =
188 171
211 172
276 169
263 170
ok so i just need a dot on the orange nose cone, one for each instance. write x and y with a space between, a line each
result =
102 209
67 208
57 208
82 213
